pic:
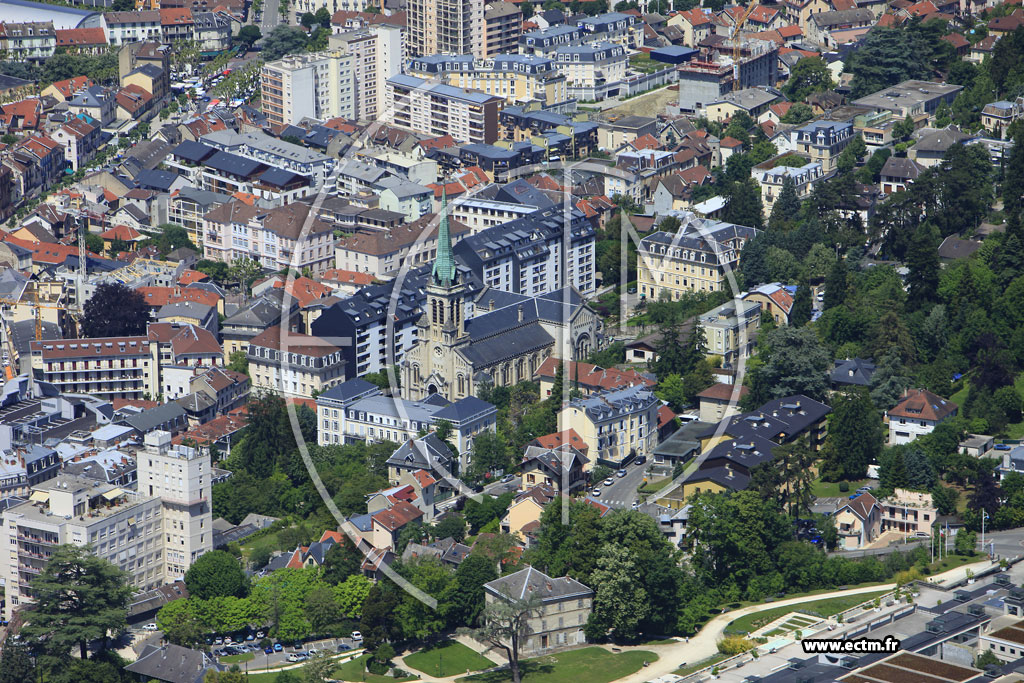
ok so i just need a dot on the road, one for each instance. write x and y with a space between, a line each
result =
271 16
495 489
622 491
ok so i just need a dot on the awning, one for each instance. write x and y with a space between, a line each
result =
39 496
113 493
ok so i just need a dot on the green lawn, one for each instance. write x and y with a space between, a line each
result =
238 659
591 664
449 659
821 608
655 485
643 63
830 489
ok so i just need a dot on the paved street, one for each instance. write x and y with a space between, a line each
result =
271 16
622 492
262 660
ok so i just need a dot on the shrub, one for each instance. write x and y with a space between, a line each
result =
844 486
734 645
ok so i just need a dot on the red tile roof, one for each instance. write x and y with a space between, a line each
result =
156 296
347 277
175 16
646 141
121 232
80 37
722 392
921 404
189 276
294 342
592 376
729 141
397 516
569 436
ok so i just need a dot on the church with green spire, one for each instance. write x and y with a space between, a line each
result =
505 342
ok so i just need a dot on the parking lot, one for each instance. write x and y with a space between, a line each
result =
262 660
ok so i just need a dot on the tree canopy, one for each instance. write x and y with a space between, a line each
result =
115 310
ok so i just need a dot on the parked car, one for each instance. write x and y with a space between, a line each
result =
149 627
260 634
620 473
343 647
249 638
356 636
297 657
278 647
508 477
218 641
269 650
609 481
596 492
640 459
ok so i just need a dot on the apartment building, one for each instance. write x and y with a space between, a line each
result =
125 367
123 28
438 109
613 27
96 102
772 179
450 27
296 365
154 534
180 477
212 30
822 142
382 253
695 258
176 24
187 207
616 425
271 151
565 606
908 512
80 139
500 256
318 85
545 41
586 67
357 410
730 330
276 238
30 41
503 24
119 367
361 47
516 78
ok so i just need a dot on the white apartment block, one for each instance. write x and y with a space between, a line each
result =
154 534
437 109
180 477
131 27
320 85
376 53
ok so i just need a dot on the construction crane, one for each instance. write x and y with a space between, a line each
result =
736 52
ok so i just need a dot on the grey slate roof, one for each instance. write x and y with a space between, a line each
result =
425 453
350 390
509 344
853 371
171 663
464 409
529 581
148 420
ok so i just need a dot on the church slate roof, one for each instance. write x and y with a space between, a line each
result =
505 345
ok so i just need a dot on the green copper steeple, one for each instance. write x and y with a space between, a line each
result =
444 266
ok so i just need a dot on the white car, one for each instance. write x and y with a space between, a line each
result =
356 635
149 627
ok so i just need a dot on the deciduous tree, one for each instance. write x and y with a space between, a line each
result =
115 310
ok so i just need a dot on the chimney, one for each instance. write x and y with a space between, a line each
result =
520 313
490 305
